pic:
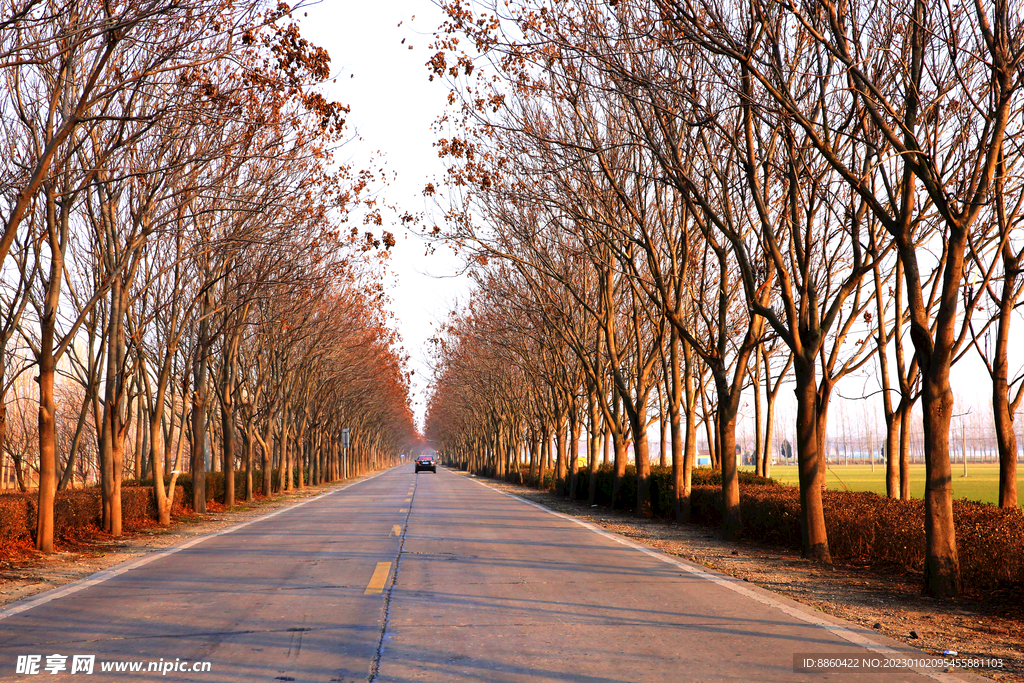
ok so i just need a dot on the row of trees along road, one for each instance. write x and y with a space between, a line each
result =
665 200
169 200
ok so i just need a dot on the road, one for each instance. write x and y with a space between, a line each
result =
405 577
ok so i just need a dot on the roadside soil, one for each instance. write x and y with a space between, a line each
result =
892 605
25 572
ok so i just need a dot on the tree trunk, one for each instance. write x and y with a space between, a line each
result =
286 453
1002 409
758 465
163 500
534 457
574 456
47 434
811 467
47 367
690 443
560 446
892 450
268 470
199 414
771 394
662 441
19 473
769 434
606 443
941 565
594 447
545 458
732 521
113 438
619 446
164 497
710 428
139 460
3 418
641 451
312 455
904 423
69 466
227 428
300 451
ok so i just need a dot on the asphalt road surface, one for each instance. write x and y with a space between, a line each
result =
405 577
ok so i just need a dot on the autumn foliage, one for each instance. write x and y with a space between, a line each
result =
190 275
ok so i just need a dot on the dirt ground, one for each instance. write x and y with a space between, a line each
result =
24 572
893 605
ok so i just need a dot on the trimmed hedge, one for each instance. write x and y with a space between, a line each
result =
14 516
863 528
214 485
662 486
869 529
75 511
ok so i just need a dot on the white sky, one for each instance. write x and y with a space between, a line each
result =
393 106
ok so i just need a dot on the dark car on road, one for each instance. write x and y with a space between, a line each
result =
426 462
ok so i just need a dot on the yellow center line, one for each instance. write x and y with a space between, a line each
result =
396 530
408 500
379 578
403 510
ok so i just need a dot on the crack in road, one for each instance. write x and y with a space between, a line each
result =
447 556
375 664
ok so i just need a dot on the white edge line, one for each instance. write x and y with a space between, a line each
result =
107 574
736 585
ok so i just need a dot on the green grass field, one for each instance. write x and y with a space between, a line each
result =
982 482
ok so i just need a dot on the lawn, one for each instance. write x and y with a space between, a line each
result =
981 483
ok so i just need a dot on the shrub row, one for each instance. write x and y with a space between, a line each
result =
14 522
662 486
74 511
869 529
863 528
214 485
